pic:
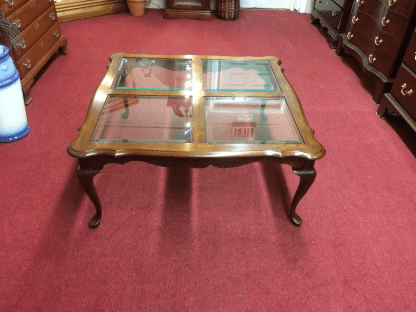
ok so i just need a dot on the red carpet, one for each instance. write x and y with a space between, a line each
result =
210 239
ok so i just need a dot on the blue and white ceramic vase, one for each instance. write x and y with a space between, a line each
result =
13 120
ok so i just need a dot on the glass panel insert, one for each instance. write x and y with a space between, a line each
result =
154 74
249 120
238 75
133 119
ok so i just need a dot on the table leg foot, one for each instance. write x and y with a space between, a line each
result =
306 179
86 178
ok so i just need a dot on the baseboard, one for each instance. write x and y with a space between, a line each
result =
72 10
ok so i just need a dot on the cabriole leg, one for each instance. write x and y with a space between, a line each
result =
86 176
307 176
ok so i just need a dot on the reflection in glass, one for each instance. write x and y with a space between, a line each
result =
249 120
145 119
236 75
154 74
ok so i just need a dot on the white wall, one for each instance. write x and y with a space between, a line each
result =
303 6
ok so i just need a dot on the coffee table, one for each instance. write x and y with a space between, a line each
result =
196 111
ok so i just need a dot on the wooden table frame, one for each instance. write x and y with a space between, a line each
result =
93 156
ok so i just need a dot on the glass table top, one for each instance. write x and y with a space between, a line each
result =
184 100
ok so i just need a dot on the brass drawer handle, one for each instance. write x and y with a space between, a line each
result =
51 16
22 44
392 2
16 22
56 33
360 3
349 35
27 64
354 19
9 2
334 13
378 41
371 58
384 21
406 92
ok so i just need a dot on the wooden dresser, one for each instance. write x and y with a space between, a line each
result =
333 16
377 35
40 34
402 97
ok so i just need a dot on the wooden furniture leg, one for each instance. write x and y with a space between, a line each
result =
86 176
307 176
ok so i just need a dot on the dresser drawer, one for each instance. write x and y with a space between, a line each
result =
361 34
394 23
410 56
29 60
375 8
404 90
404 7
8 6
330 11
35 30
28 13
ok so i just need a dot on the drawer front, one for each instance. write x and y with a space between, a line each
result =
404 7
28 61
404 91
330 11
35 30
410 56
29 12
393 23
371 7
384 53
361 31
8 6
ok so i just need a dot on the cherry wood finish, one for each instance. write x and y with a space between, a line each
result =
195 9
402 97
377 35
333 16
94 155
40 34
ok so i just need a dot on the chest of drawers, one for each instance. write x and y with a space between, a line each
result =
377 34
40 33
402 97
333 16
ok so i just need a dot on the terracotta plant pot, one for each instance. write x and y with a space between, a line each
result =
136 7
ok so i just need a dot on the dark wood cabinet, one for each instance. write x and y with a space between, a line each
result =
196 9
402 97
333 16
40 33
377 35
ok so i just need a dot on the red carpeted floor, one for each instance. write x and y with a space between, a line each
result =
210 239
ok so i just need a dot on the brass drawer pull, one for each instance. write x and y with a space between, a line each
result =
378 41
51 16
27 64
9 2
354 19
56 33
392 2
22 44
334 13
384 21
406 92
360 3
371 58
16 22
349 35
